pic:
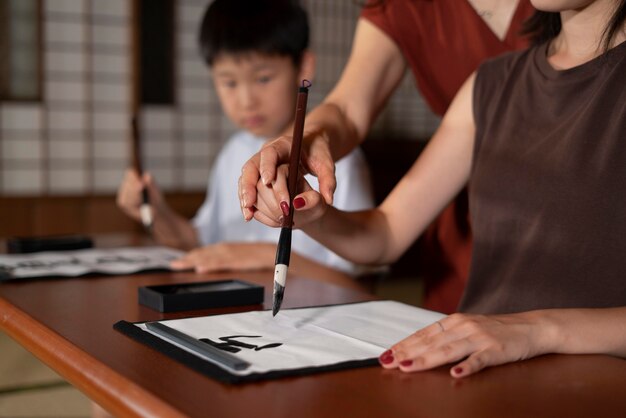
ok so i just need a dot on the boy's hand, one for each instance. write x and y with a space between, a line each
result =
228 257
262 168
129 193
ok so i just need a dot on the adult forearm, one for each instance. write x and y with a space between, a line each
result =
329 123
480 341
306 267
584 331
373 72
361 237
173 230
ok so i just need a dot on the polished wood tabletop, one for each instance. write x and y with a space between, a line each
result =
68 324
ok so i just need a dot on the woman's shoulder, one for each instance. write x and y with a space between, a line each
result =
507 62
497 72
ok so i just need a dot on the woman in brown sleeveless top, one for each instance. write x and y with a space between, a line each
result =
440 43
541 137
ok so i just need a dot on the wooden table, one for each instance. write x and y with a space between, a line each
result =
67 324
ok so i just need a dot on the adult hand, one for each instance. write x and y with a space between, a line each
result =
316 159
129 193
227 257
476 341
309 205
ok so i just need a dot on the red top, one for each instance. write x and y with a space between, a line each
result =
443 42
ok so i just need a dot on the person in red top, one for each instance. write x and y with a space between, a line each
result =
442 42
539 134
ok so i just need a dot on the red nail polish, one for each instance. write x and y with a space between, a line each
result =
458 370
406 363
284 206
298 202
386 357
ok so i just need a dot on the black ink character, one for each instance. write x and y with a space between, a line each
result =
39 264
231 345
106 259
6 271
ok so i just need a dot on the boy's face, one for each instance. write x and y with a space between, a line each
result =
257 92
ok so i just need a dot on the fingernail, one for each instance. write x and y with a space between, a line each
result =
299 202
264 178
329 197
406 363
284 206
458 370
386 357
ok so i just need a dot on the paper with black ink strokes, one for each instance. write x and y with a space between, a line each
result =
76 263
307 337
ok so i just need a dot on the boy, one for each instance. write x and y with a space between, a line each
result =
257 53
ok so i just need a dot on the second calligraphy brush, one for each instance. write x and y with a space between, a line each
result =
283 251
145 211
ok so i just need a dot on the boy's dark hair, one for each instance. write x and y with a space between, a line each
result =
273 27
545 26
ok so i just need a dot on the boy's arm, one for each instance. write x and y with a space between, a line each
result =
171 229
251 256
205 226
168 227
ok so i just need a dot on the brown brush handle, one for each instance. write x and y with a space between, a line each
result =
136 146
296 145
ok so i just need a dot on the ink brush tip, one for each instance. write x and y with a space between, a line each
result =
145 211
148 228
279 292
283 253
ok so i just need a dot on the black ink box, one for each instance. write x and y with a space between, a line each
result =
201 295
24 245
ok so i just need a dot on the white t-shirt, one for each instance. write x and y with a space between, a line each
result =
219 219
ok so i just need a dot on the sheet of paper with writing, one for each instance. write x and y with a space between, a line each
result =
75 263
305 337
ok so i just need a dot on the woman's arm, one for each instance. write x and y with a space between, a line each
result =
479 341
374 69
381 235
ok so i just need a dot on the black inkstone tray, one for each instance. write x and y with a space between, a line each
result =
201 295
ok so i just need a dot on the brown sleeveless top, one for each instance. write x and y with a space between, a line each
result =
443 42
548 184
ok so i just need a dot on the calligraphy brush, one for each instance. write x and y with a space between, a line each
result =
145 211
283 251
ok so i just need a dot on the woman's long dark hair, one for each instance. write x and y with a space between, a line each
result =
545 26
